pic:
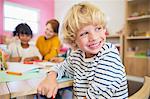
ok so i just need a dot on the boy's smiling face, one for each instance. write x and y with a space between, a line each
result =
90 39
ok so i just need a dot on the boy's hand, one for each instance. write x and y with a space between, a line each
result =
48 86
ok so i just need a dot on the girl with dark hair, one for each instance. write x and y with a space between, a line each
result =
22 50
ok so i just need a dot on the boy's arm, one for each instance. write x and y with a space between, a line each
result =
64 68
49 85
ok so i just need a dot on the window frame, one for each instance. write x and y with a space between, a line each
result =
22 20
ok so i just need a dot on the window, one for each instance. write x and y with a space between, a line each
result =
20 14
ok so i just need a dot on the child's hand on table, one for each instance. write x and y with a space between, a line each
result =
16 59
57 59
49 86
28 59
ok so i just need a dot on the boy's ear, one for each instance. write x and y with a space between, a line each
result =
106 32
75 44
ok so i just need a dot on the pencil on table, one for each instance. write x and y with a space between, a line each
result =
14 73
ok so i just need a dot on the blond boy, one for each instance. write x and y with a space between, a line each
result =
95 66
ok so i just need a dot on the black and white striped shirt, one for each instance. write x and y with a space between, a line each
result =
100 77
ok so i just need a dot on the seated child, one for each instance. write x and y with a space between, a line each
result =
95 65
21 50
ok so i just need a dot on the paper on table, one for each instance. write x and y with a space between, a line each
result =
45 64
28 75
20 67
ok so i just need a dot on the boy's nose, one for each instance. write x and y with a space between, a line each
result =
92 37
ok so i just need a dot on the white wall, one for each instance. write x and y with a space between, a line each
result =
114 10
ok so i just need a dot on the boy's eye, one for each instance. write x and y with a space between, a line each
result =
98 29
83 34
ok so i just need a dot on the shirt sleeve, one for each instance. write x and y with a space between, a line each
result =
108 76
54 50
12 48
64 69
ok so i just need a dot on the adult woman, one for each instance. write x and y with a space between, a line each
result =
49 43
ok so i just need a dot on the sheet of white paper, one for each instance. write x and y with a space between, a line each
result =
20 67
45 64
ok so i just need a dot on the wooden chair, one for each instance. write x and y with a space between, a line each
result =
144 92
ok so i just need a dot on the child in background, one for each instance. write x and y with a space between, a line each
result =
21 50
49 43
95 65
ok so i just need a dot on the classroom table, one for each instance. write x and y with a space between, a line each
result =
4 92
27 87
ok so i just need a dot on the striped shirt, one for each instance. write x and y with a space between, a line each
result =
100 77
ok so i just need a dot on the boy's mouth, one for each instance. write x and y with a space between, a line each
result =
95 45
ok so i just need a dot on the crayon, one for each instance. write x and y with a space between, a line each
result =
14 73
28 62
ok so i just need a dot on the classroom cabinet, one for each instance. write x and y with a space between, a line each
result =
137 38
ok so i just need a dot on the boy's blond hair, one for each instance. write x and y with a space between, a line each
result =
78 16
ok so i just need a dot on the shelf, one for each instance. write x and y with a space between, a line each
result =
133 56
135 0
138 37
115 39
130 0
139 18
113 36
117 45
